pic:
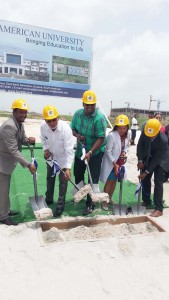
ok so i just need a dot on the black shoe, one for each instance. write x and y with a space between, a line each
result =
48 202
9 222
13 213
146 204
88 210
57 213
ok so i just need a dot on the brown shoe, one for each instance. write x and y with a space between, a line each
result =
156 213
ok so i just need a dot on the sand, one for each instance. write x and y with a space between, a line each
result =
103 230
43 214
123 267
83 191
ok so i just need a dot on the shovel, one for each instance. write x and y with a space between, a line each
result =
81 191
138 209
120 209
95 193
37 202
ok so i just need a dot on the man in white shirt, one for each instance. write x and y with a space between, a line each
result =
57 143
134 127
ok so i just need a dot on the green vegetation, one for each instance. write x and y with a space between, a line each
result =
70 61
5 114
34 115
69 78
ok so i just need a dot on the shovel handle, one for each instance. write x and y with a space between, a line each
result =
31 148
35 185
139 192
61 170
90 176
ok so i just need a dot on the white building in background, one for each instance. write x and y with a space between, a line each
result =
70 70
13 64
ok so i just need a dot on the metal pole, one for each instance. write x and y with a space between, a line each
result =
150 102
110 108
104 114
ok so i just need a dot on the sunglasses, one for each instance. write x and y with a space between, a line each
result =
50 121
90 104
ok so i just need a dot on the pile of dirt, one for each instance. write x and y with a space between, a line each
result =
103 230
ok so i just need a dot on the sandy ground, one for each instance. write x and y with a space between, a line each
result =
127 267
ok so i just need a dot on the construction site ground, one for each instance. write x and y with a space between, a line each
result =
125 267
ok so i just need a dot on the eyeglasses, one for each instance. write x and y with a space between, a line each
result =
50 121
90 104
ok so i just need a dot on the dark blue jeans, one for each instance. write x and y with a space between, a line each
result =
94 165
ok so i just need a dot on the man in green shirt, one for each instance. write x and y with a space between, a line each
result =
89 126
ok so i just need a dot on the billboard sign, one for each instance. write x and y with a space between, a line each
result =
43 61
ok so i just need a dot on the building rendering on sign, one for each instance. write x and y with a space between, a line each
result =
44 61
14 65
70 70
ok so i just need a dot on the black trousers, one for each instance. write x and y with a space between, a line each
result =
94 165
63 183
158 188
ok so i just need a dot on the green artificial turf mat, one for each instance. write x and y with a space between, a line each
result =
22 188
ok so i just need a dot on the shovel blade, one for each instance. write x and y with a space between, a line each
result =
38 203
41 202
138 210
120 210
33 203
80 185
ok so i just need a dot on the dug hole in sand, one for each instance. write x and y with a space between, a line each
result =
100 231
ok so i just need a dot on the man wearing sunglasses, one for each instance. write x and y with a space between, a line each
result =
57 143
89 126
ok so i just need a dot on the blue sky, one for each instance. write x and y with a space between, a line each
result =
130 48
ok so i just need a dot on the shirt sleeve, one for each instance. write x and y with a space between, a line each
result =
43 137
68 146
73 124
100 127
9 137
109 147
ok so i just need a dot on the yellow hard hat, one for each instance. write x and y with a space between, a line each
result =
21 104
49 112
89 97
152 127
122 120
